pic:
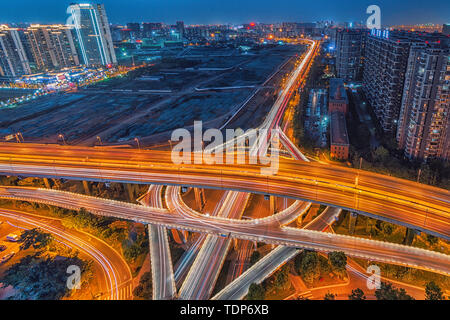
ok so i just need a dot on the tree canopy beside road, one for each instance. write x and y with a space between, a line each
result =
35 238
433 291
357 294
144 289
388 292
38 277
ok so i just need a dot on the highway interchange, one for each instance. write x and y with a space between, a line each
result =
407 203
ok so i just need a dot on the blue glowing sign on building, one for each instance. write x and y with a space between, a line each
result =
380 33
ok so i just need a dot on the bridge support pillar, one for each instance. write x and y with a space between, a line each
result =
200 198
273 204
177 236
312 212
409 237
352 222
47 183
87 190
130 191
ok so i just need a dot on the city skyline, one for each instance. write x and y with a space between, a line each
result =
235 12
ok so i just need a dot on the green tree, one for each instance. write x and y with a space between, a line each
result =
381 154
255 257
389 292
329 296
34 238
256 292
432 240
309 266
433 291
144 289
282 277
43 278
133 249
83 219
357 294
387 228
371 227
338 261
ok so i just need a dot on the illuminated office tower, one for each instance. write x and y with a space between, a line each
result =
13 59
93 34
52 46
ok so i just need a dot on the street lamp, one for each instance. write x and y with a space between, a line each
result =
61 136
138 143
99 140
359 171
19 136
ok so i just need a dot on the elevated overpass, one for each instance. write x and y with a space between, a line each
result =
410 204
298 238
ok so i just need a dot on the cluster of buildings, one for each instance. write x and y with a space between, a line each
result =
162 35
405 74
90 40
41 48
337 109
405 77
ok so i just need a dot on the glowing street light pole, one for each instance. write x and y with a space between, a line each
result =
19 137
138 143
61 136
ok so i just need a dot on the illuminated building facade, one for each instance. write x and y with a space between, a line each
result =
52 46
383 77
349 44
424 126
93 34
13 59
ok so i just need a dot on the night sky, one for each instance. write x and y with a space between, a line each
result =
233 11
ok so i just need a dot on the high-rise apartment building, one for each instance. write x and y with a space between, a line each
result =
13 58
52 46
424 125
385 63
93 34
349 45
385 66
446 29
180 29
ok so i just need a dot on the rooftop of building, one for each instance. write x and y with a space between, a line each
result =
338 130
337 90
407 36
